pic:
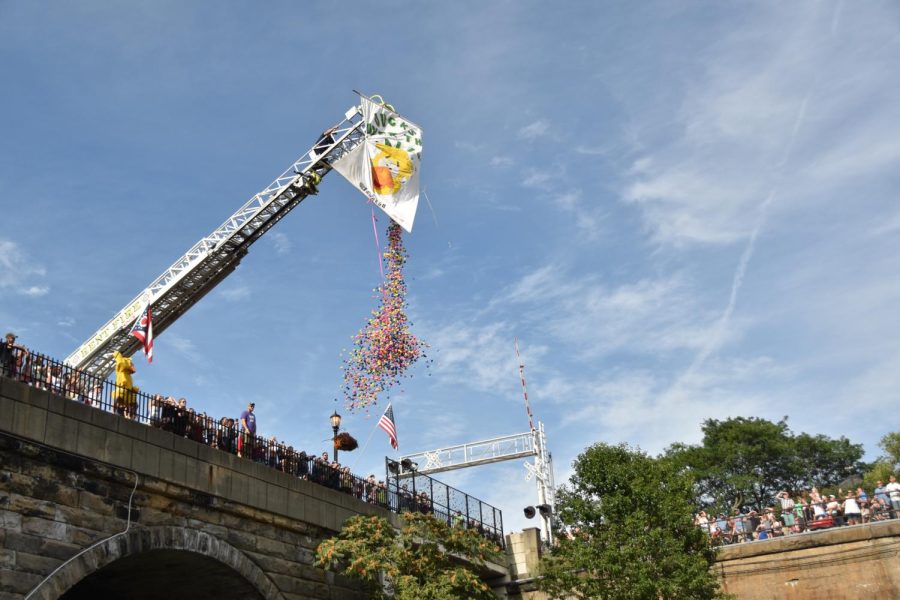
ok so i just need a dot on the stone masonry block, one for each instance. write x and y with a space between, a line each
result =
18 582
132 429
10 520
76 410
45 528
276 499
145 459
29 421
104 420
91 440
158 437
7 406
220 481
117 449
40 398
32 563
61 433
185 446
179 468
12 389
25 505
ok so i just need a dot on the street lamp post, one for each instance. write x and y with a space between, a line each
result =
335 426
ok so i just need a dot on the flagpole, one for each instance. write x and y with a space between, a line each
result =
369 439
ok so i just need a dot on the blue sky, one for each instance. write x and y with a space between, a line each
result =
682 210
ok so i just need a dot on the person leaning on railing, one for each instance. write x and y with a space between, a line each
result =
12 356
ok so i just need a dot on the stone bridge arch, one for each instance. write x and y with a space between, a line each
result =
142 551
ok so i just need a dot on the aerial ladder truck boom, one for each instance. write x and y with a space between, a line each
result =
215 256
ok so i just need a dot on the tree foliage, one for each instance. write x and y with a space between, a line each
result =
417 562
887 464
629 531
745 461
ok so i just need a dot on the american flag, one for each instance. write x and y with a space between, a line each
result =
386 422
143 331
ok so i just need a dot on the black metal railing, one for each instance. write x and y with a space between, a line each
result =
421 493
224 434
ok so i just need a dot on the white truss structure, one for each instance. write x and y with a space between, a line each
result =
214 257
509 447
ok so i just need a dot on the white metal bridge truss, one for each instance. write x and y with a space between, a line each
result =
214 257
509 447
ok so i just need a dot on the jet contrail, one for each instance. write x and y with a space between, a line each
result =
737 281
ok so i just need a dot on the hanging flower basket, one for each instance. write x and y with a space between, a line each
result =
346 442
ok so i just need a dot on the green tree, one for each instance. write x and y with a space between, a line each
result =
629 531
745 461
887 464
418 561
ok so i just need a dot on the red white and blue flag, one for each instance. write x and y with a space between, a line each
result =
143 331
386 422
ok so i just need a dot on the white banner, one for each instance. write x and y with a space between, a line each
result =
385 167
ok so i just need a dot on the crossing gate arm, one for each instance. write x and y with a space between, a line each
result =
217 255
497 449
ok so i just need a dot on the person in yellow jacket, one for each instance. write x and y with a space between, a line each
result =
125 394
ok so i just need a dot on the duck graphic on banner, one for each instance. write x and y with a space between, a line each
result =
385 167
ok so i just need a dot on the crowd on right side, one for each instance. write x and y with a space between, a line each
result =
807 510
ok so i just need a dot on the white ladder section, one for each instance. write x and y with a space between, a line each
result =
215 256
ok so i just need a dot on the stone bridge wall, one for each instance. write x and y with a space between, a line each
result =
862 561
67 473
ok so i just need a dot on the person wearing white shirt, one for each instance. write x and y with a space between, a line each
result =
893 492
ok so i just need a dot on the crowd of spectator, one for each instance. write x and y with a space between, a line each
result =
233 435
807 510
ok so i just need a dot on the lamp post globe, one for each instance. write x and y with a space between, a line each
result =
335 426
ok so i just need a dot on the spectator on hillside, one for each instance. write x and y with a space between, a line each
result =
753 520
851 509
702 521
833 509
818 504
893 493
878 511
880 494
787 508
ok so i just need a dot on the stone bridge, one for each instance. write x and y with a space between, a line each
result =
95 506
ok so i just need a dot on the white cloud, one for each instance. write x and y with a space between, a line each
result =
647 315
281 242
18 271
534 130
34 291
780 105
537 178
481 357
236 294
501 162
